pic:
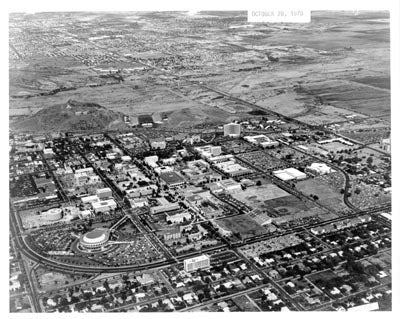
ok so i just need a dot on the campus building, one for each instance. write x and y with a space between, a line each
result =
94 239
262 140
288 174
104 206
172 179
319 169
232 130
195 263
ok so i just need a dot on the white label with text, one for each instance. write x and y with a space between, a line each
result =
276 15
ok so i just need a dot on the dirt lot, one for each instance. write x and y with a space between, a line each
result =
50 280
288 205
352 96
242 224
114 97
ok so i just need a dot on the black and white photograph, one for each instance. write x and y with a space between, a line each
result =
200 160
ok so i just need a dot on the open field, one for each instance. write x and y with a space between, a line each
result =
315 186
43 74
352 96
336 147
382 82
288 205
50 280
243 225
327 195
325 114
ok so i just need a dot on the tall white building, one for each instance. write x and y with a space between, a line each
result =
232 130
385 143
195 263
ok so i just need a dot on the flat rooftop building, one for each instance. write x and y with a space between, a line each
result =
289 174
104 205
172 179
195 263
261 140
320 169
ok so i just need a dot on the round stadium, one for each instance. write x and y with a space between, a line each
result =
94 239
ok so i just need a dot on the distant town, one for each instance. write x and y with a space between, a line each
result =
211 201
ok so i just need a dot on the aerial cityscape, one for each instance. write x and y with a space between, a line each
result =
197 162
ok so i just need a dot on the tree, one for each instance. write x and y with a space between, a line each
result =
200 296
106 285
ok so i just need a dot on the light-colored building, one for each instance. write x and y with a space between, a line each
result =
386 144
319 169
261 140
138 202
158 143
85 214
220 159
227 185
104 192
151 161
141 191
232 129
163 169
365 307
222 230
52 214
289 174
209 151
173 233
233 169
164 208
104 206
126 158
178 218
90 199
200 262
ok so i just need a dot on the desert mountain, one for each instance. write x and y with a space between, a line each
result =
70 116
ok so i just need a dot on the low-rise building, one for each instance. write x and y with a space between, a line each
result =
261 140
104 205
178 217
104 192
172 179
169 234
289 174
319 169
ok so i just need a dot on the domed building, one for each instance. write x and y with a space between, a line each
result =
95 239
52 214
